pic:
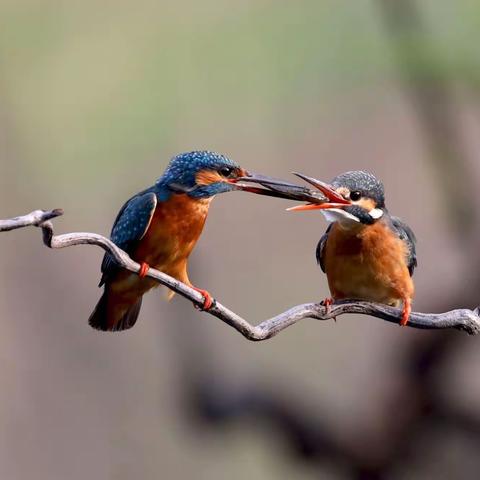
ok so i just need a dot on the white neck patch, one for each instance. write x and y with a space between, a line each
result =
376 213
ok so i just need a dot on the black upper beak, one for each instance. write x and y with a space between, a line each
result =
273 187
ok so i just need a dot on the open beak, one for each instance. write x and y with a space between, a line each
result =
333 199
273 187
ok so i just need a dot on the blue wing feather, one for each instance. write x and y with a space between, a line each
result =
130 226
319 252
406 234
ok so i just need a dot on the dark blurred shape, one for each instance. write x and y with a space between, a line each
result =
220 405
432 98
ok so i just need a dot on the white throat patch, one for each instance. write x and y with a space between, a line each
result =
339 215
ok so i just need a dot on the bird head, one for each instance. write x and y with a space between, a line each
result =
201 174
355 197
204 174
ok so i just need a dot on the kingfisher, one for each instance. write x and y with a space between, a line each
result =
366 253
159 227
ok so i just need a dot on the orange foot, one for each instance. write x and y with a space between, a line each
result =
327 303
142 273
207 299
407 309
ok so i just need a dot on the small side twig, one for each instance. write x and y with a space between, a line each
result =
35 218
461 319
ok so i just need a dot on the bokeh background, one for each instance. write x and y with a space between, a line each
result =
95 97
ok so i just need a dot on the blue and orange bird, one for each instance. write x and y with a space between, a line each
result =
159 227
366 253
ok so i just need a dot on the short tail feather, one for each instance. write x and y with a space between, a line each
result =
104 319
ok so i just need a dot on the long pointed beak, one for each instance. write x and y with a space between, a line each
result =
273 187
335 200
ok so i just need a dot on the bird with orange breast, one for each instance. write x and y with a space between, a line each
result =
160 226
366 253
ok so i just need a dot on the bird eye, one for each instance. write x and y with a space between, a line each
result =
354 196
226 171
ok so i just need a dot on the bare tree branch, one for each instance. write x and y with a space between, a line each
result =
34 218
461 319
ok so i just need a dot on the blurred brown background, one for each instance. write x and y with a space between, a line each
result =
95 97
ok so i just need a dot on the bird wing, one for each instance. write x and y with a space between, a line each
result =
130 226
405 233
319 252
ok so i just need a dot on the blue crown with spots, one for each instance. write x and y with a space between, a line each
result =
182 171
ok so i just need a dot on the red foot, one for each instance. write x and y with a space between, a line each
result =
407 309
327 303
142 273
207 299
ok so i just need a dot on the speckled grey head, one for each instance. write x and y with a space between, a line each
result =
365 183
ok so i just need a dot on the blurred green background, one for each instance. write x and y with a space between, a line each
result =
96 97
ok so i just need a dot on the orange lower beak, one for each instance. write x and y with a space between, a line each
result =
335 199
316 206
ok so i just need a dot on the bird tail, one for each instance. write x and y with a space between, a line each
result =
108 317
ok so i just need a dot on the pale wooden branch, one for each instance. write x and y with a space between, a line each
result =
34 218
461 319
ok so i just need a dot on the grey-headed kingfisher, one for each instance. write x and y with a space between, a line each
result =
160 226
366 253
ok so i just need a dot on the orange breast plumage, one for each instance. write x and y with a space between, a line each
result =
175 228
368 263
